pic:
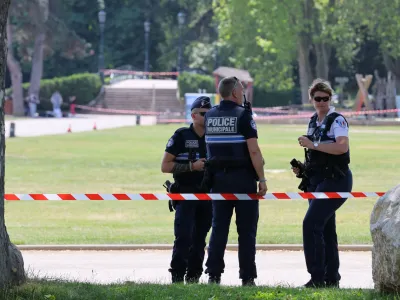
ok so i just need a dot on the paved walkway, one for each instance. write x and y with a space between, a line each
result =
26 127
274 267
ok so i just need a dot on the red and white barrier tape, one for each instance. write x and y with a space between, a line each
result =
119 111
201 197
345 113
110 71
300 115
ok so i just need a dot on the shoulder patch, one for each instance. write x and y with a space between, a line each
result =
253 125
170 142
341 123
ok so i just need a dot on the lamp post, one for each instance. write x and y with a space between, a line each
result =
146 40
102 20
181 21
216 63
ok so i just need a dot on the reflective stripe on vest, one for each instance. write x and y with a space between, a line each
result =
185 156
225 139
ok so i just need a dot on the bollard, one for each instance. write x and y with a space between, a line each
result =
12 129
138 120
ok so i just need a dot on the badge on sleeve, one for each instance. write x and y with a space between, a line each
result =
170 142
341 123
253 124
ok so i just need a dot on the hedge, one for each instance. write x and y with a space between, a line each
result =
191 83
84 86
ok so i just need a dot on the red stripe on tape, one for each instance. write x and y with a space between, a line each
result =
229 197
149 196
307 195
380 194
358 194
176 196
282 196
11 197
67 197
203 197
121 196
333 195
94 196
38 197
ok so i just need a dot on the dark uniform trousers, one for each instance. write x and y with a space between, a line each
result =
192 223
319 229
247 214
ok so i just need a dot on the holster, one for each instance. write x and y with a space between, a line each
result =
171 188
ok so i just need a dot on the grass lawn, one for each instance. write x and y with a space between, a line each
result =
128 160
53 290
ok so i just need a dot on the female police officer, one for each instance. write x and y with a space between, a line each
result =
325 170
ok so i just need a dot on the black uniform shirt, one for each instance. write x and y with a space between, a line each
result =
187 146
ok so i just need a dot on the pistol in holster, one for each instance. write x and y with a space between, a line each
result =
302 174
171 188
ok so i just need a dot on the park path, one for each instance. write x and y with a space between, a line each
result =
274 267
27 127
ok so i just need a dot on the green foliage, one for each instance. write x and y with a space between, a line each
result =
268 98
84 86
191 83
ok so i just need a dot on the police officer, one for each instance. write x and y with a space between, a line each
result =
234 164
184 157
326 169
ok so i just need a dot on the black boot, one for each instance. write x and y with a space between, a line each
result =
214 279
314 284
332 284
177 278
248 282
192 279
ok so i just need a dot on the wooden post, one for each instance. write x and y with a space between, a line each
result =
362 95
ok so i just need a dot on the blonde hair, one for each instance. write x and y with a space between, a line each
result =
320 85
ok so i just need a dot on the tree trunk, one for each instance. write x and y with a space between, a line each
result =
37 65
16 77
11 261
323 54
393 65
304 68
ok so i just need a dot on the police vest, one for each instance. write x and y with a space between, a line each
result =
193 148
318 159
223 140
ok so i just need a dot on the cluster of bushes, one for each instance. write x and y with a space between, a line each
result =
84 86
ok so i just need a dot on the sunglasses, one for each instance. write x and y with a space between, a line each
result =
319 99
202 113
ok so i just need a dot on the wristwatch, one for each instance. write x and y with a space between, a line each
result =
315 144
262 180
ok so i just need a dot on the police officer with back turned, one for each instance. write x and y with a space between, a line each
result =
326 169
184 157
234 164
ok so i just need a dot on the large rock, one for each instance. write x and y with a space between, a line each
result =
385 231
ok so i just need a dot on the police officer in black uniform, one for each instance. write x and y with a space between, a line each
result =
326 169
184 157
234 164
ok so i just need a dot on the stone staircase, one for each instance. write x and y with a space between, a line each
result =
144 95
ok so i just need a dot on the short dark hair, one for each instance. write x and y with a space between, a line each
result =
320 85
226 86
